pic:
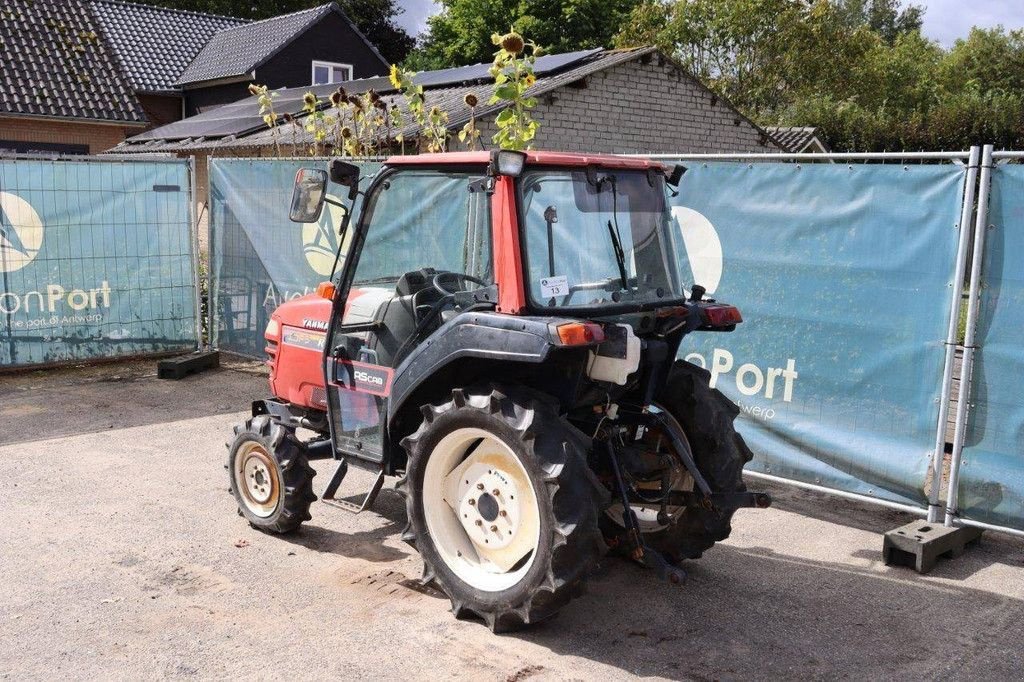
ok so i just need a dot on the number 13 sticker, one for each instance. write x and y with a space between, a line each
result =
556 285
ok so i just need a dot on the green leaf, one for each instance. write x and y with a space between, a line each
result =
507 91
505 117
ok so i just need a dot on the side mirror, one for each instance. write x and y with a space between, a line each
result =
308 195
676 175
346 175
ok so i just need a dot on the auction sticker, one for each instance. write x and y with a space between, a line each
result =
556 285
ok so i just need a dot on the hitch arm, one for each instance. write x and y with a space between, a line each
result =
641 552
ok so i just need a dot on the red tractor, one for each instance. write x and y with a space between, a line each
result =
501 334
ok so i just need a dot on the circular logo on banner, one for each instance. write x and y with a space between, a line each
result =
320 239
703 247
21 232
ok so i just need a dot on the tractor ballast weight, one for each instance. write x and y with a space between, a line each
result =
500 332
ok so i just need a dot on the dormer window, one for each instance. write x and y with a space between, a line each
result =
331 72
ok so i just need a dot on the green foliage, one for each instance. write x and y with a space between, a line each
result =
460 32
375 18
513 75
858 69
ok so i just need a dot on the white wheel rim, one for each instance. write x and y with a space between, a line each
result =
481 511
255 480
647 514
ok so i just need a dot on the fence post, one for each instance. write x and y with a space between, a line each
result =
973 296
938 455
193 220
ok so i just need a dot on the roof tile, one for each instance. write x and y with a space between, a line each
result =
155 44
55 64
238 50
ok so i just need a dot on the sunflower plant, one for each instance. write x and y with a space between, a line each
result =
513 75
265 97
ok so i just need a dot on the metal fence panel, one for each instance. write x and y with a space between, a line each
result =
843 274
259 258
96 260
991 488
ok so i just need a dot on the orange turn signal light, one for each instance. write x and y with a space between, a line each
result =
580 333
325 290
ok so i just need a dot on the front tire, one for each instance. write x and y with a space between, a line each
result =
270 476
501 506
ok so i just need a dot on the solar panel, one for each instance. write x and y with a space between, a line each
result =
239 118
551 63
545 65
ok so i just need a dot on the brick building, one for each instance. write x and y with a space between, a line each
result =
624 101
79 76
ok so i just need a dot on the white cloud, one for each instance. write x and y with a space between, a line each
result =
947 20
414 18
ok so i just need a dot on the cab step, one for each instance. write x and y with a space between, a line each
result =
335 482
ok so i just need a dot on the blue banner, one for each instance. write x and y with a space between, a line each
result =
260 258
96 260
843 275
992 469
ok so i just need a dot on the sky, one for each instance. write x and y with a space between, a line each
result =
944 20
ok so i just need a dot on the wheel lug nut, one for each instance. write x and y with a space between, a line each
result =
472 502
503 512
479 522
494 529
479 486
495 492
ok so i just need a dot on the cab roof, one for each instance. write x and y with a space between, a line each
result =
533 158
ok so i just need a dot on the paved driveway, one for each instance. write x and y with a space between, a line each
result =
121 556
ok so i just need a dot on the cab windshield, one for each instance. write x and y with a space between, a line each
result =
597 238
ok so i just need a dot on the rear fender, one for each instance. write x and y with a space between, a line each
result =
490 337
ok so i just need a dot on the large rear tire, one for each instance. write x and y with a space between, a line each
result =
706 417
501 505
270 476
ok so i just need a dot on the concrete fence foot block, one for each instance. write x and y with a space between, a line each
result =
920 544
176 368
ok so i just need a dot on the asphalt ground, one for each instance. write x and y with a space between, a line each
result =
122 557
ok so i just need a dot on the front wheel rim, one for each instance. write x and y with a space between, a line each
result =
480 509
255 479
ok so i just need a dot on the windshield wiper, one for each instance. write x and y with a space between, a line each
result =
613 232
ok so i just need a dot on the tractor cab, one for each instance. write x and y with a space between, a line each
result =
500 326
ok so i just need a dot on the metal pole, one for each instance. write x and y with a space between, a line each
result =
193 221
211 302
988 526
836 156
938 454
839 493
964 394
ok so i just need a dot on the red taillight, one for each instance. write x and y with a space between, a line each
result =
721 315
580 333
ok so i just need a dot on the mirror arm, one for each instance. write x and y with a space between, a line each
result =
332 202
341 237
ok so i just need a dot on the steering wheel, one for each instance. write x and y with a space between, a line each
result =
459 277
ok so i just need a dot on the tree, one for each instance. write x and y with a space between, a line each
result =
887 18
860 70
375 18
460 33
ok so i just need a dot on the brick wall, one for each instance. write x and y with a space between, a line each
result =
97 136
639 107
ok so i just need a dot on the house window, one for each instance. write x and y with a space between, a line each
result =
331 72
